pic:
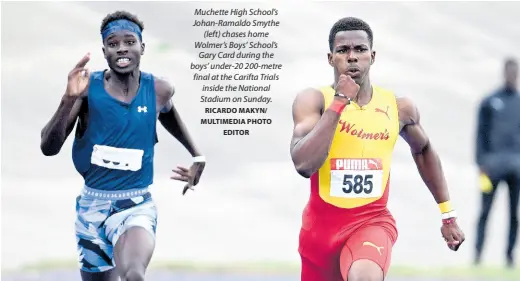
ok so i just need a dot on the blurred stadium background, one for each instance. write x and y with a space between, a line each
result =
245 215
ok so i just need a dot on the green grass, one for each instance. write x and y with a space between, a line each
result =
489 273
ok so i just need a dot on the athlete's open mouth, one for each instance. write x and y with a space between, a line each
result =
123 62
353 71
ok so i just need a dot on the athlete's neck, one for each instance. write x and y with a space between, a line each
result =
124 81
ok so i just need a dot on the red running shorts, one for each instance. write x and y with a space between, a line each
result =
327 252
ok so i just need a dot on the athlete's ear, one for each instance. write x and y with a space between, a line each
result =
373 57
142 49
329 58
104 52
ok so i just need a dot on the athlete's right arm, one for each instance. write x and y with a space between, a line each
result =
61 124
313 132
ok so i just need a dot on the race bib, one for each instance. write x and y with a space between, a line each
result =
356 178
125 159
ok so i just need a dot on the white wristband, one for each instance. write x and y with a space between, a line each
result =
449 215
199 159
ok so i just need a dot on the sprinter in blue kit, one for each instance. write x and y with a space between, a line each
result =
116 112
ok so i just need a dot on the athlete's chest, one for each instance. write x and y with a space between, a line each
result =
139 99
374 124
114 114
360 154
122 94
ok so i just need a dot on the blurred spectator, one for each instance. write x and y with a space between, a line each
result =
498 154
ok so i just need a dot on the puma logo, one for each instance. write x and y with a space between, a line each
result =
370 161
384 112
373 245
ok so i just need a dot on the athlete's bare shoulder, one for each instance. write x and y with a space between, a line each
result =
164 91
408 112
306 111
163 87
409 125
307 101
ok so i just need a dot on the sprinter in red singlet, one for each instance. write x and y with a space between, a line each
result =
343 139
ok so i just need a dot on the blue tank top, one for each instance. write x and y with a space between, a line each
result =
117 148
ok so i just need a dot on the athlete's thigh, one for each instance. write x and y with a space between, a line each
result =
94 250
311 271
319 255
134 250
367 252
132 231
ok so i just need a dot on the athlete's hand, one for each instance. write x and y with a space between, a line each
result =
347 86
78 78
190 176
452 234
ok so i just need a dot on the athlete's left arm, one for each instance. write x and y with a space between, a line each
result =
170 118
429 166
424 155
172 122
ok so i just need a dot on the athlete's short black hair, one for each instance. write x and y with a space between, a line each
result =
350 23
121 15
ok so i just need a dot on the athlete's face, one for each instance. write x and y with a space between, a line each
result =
123 51
351 55
511 73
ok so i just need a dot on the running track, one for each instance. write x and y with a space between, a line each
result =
168 276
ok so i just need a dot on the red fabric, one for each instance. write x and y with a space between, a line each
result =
331 238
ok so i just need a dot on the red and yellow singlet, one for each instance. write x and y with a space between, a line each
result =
354 180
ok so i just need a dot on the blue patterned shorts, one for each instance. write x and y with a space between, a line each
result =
103 216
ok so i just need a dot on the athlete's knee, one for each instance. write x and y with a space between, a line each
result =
133 274
365 270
